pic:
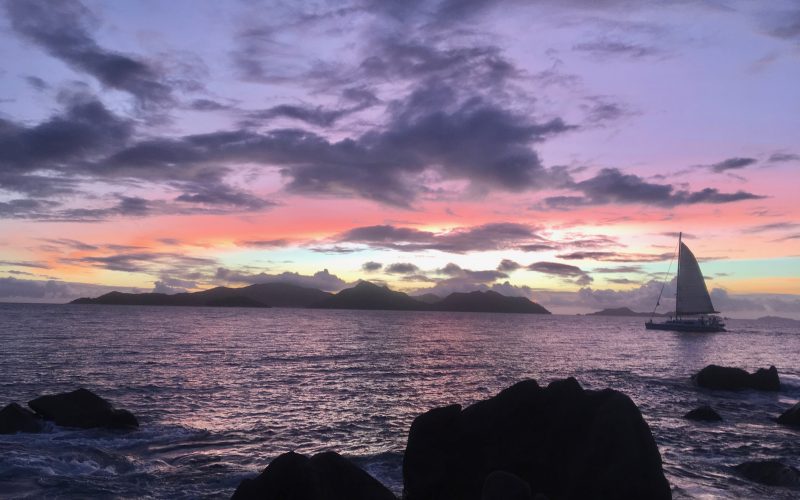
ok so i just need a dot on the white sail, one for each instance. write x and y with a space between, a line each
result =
692 296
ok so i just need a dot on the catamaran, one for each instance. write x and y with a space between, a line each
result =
693 308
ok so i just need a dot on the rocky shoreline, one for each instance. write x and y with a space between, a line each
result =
527 442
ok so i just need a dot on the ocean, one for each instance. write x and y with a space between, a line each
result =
219 392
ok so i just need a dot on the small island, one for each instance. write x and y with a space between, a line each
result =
624 311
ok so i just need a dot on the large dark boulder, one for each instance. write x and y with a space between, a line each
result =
734 379
82 408
770 472
703 413
563 441
502 485
791 416
14 418
325 476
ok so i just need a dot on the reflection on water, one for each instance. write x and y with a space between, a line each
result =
220 392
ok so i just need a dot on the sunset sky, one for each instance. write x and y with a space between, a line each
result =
551 149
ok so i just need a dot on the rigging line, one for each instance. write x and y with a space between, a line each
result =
658 301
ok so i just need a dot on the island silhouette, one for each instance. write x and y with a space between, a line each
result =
364 295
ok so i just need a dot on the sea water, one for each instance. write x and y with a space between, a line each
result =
219 392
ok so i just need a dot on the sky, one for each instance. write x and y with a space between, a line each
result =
552 149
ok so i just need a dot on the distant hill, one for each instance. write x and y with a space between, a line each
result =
259 295
428 298
488 301
366 295
623 311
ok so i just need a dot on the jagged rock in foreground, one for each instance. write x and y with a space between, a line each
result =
733 379
564 441
82 408
325 476
770 472
703 413
791 416
14 418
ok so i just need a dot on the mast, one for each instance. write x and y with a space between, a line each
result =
678 277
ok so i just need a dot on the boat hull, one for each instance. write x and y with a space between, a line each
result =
681 326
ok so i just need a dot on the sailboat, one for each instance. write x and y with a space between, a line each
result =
693 308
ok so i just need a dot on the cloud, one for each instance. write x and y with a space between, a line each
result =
563 270
140 261
37 83
12 289
783 157
616 256
221 194
207 105
402 268
24 263
605 47
775 226
493 236
62 28
371 266
618 269
84 129
322 280
276 243
732 164
507 266
610 185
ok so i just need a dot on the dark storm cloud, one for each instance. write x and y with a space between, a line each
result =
611 185
402 268
493 236
615 256
623 281
732 164
508 265
62 28
371 266
616 48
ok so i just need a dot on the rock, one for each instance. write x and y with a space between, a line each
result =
82 408
14 418
791 416
765 379
704 413
563 441
502 485
326 476
734 379
770 472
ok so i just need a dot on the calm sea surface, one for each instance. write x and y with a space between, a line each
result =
220 392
